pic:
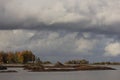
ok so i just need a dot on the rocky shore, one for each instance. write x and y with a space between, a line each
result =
8 71
63 67
91 67
2 67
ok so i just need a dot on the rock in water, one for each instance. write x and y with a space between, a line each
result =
3 67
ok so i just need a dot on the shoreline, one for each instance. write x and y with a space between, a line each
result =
8 71
67 68
58 68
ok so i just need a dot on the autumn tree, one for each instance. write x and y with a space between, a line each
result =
1 57
27 56
11 57
16 57
19 57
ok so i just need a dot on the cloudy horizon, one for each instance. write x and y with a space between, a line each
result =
62 29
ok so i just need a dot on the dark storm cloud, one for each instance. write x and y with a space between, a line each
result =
81 16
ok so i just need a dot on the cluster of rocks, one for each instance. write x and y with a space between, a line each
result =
3 67
62 67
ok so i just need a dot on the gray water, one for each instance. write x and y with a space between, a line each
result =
75 75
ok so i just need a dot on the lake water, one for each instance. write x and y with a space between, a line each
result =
75 75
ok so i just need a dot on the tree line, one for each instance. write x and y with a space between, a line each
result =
26 56
107 63
82 61
16 57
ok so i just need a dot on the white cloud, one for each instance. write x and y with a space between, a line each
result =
56 44
85 45
112 49
14 39
47 42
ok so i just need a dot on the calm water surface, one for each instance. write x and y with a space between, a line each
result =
75 75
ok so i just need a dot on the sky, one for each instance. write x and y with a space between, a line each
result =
61 30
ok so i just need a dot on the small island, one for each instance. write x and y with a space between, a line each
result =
30 62
64 67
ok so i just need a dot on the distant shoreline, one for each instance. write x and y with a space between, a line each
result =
66 68
13 65
54 68
23 65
